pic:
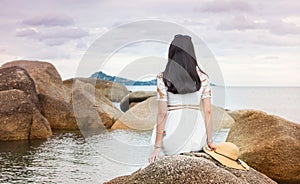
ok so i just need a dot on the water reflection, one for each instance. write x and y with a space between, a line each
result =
65 158
68 157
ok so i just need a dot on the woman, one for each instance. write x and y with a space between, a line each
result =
181 88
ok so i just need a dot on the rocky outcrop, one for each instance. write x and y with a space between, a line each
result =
17 78
53 97
191 168
46 78
141 117
268 143
88 107
59 113
112 90
19 117
134 97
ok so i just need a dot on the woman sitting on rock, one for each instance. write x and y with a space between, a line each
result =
181 88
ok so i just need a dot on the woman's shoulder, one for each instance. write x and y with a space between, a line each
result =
159 75
203 77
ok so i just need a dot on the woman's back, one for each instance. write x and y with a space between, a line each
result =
184 128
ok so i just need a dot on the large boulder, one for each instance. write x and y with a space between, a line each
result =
135 97
93 111
268 143
189 168
59 113
141 117
18 78
112 90
46 78
19 117
53 96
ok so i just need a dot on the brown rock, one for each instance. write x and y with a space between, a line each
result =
141 117
112 90
46 78
18 78
19 117
59 113
134 97
190 169
89 108
53 97
268 143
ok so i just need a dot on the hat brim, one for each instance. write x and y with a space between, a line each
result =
226 161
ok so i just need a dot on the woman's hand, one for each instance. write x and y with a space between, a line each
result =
212 146
154 155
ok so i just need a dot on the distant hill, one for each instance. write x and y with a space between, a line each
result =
127 82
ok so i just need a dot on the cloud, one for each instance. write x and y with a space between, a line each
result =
271 57
237 23
280 27
26 32
49 20
242 22
225 6
54 36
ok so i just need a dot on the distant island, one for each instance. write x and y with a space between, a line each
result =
127 82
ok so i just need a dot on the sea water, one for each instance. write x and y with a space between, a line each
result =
68 157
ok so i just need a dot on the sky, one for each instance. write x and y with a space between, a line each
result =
254 43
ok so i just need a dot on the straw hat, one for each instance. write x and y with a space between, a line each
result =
227 154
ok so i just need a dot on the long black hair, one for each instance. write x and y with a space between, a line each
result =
180 75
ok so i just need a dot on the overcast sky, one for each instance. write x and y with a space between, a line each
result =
254 42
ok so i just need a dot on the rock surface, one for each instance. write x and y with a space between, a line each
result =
191 168
141 117
18 78
134 97
53 97
20 119
89 108
46 78
268 143
59 113
112 90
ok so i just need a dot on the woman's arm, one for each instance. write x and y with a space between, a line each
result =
208 123
161 121
160 126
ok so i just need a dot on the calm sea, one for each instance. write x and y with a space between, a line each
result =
68 157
